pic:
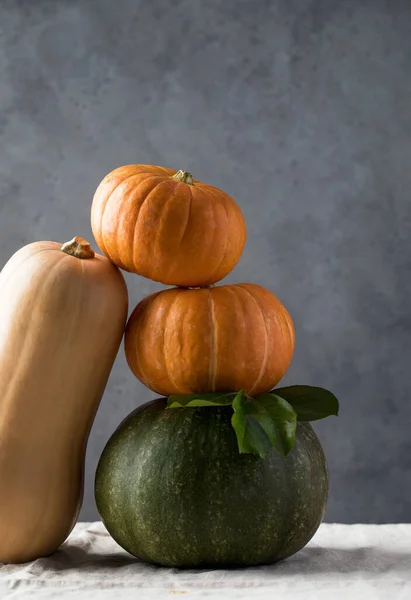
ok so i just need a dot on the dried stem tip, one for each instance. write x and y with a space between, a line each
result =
78 247
184 176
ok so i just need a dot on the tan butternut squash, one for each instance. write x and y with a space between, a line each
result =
62 317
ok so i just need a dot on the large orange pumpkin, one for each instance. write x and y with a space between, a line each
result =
167 226
223 338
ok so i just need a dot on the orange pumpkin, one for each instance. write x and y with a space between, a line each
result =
167 226
223 338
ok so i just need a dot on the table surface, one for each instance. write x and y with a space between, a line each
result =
341 562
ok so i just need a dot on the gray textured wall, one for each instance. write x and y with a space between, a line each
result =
301 110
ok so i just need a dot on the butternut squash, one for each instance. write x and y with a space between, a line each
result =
62 316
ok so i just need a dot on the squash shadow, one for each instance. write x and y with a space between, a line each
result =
81 559
310 559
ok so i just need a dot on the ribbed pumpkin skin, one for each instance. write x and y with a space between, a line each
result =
166 230
222 338
172 488
61 323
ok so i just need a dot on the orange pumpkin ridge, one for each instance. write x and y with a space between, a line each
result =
213 342
266 342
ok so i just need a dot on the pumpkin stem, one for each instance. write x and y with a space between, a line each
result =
78 247
184 176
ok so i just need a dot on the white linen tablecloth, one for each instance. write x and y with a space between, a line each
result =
341 562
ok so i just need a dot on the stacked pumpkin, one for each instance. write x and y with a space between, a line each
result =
218 472
196 337
186 487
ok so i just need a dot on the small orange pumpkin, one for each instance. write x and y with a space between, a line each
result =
167 226
223 338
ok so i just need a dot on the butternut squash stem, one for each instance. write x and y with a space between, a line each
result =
184 177
78 247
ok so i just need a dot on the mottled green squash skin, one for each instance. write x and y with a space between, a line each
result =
172 489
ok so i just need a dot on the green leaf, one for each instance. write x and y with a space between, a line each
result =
309 402
278 419
195 400
263 422
251 438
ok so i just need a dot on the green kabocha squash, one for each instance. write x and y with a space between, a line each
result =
172 488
